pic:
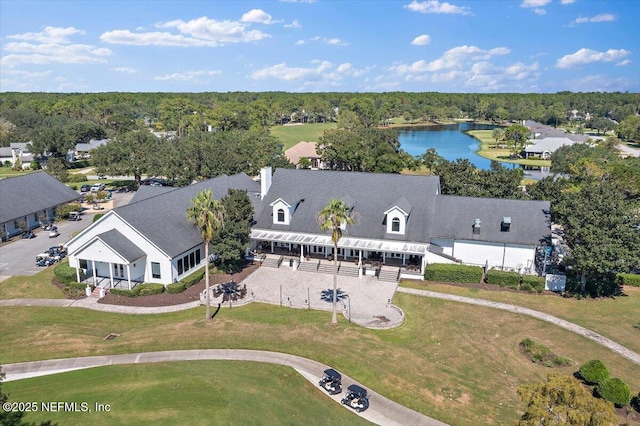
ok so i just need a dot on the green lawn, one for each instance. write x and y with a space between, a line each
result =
612 317
455 362
188 393
309 132
37 286
500 154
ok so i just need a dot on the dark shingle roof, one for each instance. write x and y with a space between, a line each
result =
121 244
32 193
431 215
454 217
162 218
372 194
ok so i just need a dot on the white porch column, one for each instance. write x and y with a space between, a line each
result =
359 263
93 267
271 246
344 250
423 264
301 252
289 247
403 259
111 273
129 275
383 256
78 272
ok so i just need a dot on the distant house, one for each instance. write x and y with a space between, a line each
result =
543 148
306 150
15 151
83 150
29 200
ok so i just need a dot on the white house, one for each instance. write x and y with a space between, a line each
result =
399 220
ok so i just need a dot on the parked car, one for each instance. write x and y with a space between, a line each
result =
356 398
57 253
53 232
97 187
28 235
85 188
74 216
44 260
331 381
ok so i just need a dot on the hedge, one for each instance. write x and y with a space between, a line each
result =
534 282
614 390
593 371
64 273
628 279
77 177
503 278
176 288
193 279
453 273
147 289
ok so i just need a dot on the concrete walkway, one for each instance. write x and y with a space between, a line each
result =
92 303
381 411
619 349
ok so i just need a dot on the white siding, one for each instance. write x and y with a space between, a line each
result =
479 252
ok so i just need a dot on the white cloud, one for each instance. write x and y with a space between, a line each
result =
600 83
300 42
189 76
534 3
434 6
51 45
283 72
603 17
125 70
258 16
452 58
565 2
540 11
198 32
293 24
587 56
623 63
332 41
421 40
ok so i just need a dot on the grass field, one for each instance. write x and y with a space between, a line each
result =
458 363
500 154
309 132
188 393
612 317
37 286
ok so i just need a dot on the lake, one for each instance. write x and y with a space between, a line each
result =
449 141
452 143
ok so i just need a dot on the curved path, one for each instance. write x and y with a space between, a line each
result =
608 343
382 411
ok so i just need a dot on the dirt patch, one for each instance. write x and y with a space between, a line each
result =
189 295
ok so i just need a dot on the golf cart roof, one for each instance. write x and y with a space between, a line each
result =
357 390
333 374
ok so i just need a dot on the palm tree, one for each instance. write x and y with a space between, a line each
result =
207 215
333 217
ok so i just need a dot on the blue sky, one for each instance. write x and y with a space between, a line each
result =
312 46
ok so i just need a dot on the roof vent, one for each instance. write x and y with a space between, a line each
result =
476 226
506 224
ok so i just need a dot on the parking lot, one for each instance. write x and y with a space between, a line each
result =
18 257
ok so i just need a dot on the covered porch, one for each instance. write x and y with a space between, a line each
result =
359 253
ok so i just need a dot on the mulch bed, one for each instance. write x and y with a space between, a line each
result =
189 295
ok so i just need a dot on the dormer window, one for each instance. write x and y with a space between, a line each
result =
281 212
395 225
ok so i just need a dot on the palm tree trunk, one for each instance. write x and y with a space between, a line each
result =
334 316
207 297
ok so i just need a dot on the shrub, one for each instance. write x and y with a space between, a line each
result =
64 273
126 293
503 278
97 216
593 372
453 273
149 289
193 279
534 282
614 390
628 279
176 288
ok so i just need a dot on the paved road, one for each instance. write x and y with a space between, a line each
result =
608 343
628 150
381 411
